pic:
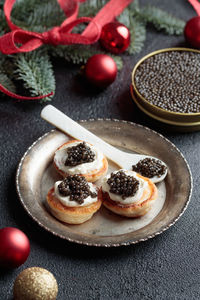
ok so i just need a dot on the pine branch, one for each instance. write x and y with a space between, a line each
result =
134 6
38 16
3 25
138 36
92 8
23 9
47 15
36 72
161 20
79 54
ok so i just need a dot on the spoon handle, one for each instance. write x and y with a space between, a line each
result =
55 117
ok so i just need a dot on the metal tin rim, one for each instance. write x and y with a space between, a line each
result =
159 118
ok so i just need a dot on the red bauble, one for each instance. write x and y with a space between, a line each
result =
192 32
101 70
14 247
115 37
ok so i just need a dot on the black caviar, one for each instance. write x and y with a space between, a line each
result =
171 81
150 167
76 187
122 184
79 154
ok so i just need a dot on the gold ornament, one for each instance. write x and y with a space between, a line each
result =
35 284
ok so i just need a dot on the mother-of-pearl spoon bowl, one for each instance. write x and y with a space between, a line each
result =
123 159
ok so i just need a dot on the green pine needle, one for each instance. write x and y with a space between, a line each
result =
138 37
23 9
46 15
91 8
79 54
35 70
37 16
161 20
3 25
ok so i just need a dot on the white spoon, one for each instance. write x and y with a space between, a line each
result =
67 125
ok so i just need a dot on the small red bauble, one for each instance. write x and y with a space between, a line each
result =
101 70
14 247
192 32
115 37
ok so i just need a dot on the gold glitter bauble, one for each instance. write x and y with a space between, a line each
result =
35 284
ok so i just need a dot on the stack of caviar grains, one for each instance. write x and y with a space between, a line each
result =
170 80
76 187
79 154
150 167
122 184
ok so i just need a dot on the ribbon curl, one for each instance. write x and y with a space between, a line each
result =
19 40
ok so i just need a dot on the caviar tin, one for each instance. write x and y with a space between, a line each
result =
175 120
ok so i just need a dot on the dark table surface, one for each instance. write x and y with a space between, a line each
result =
165 267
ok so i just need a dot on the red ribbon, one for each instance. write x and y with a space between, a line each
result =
196 6
59 35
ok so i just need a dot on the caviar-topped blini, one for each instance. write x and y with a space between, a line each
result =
127 193
74 200
78 157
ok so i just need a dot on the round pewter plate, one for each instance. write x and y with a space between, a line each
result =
36 175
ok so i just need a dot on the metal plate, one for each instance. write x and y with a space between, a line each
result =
35 175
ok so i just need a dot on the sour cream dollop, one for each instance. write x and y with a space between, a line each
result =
84 168
65 200
143 185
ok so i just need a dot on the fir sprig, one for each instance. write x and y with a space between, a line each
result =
91 8
138 36
36 71
79 54
161 20
36 15
3 24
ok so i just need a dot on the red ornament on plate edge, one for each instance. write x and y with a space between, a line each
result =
115 37
15 247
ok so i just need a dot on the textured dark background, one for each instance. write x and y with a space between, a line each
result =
166 267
